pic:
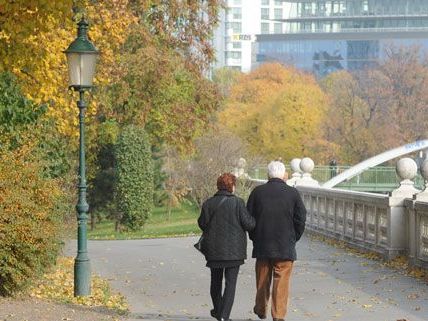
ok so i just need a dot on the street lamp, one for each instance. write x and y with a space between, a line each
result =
81 57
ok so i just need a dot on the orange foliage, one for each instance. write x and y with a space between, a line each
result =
277 110
29 219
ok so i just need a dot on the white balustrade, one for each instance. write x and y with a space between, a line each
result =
359 218
391 224
394 224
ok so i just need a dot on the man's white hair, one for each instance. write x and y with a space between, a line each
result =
276 169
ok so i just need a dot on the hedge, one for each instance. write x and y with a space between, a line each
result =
134 177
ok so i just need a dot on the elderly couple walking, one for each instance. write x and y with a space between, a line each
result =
275 219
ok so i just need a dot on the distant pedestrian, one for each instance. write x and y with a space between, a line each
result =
224 221
280 221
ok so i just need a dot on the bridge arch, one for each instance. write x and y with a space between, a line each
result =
376 160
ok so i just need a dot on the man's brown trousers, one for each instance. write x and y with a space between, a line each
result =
281 272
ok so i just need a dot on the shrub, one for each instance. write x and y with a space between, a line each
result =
17 113
134 177
102 182
30 218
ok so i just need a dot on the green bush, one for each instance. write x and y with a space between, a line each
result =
30 218
134 177
17 113
102 182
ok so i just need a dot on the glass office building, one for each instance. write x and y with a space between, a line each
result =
325 36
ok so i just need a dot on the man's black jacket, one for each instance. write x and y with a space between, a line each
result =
225 238
280 220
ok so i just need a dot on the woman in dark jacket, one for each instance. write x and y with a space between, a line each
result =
224 221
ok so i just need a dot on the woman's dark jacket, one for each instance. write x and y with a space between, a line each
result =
280 220
225 238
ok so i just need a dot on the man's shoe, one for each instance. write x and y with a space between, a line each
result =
261 316
274 319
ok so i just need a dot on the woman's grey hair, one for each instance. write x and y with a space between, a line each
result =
276 169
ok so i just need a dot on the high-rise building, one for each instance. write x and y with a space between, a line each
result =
239 24
323 36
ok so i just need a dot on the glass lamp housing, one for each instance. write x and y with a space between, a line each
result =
82 58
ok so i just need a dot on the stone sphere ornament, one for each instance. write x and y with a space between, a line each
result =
407 168
295 165
307 165
242 163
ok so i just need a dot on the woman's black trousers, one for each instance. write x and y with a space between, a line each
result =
223 301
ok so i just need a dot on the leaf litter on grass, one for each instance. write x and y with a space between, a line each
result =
57 285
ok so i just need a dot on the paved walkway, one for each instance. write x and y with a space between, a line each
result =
166 279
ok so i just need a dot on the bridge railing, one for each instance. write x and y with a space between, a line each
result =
389 224
373 222
362 219
377 179
417 213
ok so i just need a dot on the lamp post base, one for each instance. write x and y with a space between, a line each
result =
82 277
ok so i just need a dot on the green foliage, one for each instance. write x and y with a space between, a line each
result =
159 92
30 217
17 113
102 184
160 196
134 177
225 78
53 149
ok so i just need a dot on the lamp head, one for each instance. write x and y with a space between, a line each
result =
82 58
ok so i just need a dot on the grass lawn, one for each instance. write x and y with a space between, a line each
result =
181 223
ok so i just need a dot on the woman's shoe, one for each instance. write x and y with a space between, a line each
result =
214 314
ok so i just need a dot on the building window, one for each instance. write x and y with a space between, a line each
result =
235 26
278 3
265 2
365 6
265 13
278 13
277 28
237 13
264 28
236 2
233 54
237 45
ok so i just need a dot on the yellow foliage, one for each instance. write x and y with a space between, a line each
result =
29 218
34 35
58 285
276 110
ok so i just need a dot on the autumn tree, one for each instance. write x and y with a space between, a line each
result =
406 72
352 120
374 110
35 33
216 152
276 110
225 78
159 92
184 26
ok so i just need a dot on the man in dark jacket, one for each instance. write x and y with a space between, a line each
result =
280 221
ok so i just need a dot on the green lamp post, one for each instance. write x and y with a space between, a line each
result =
82 57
